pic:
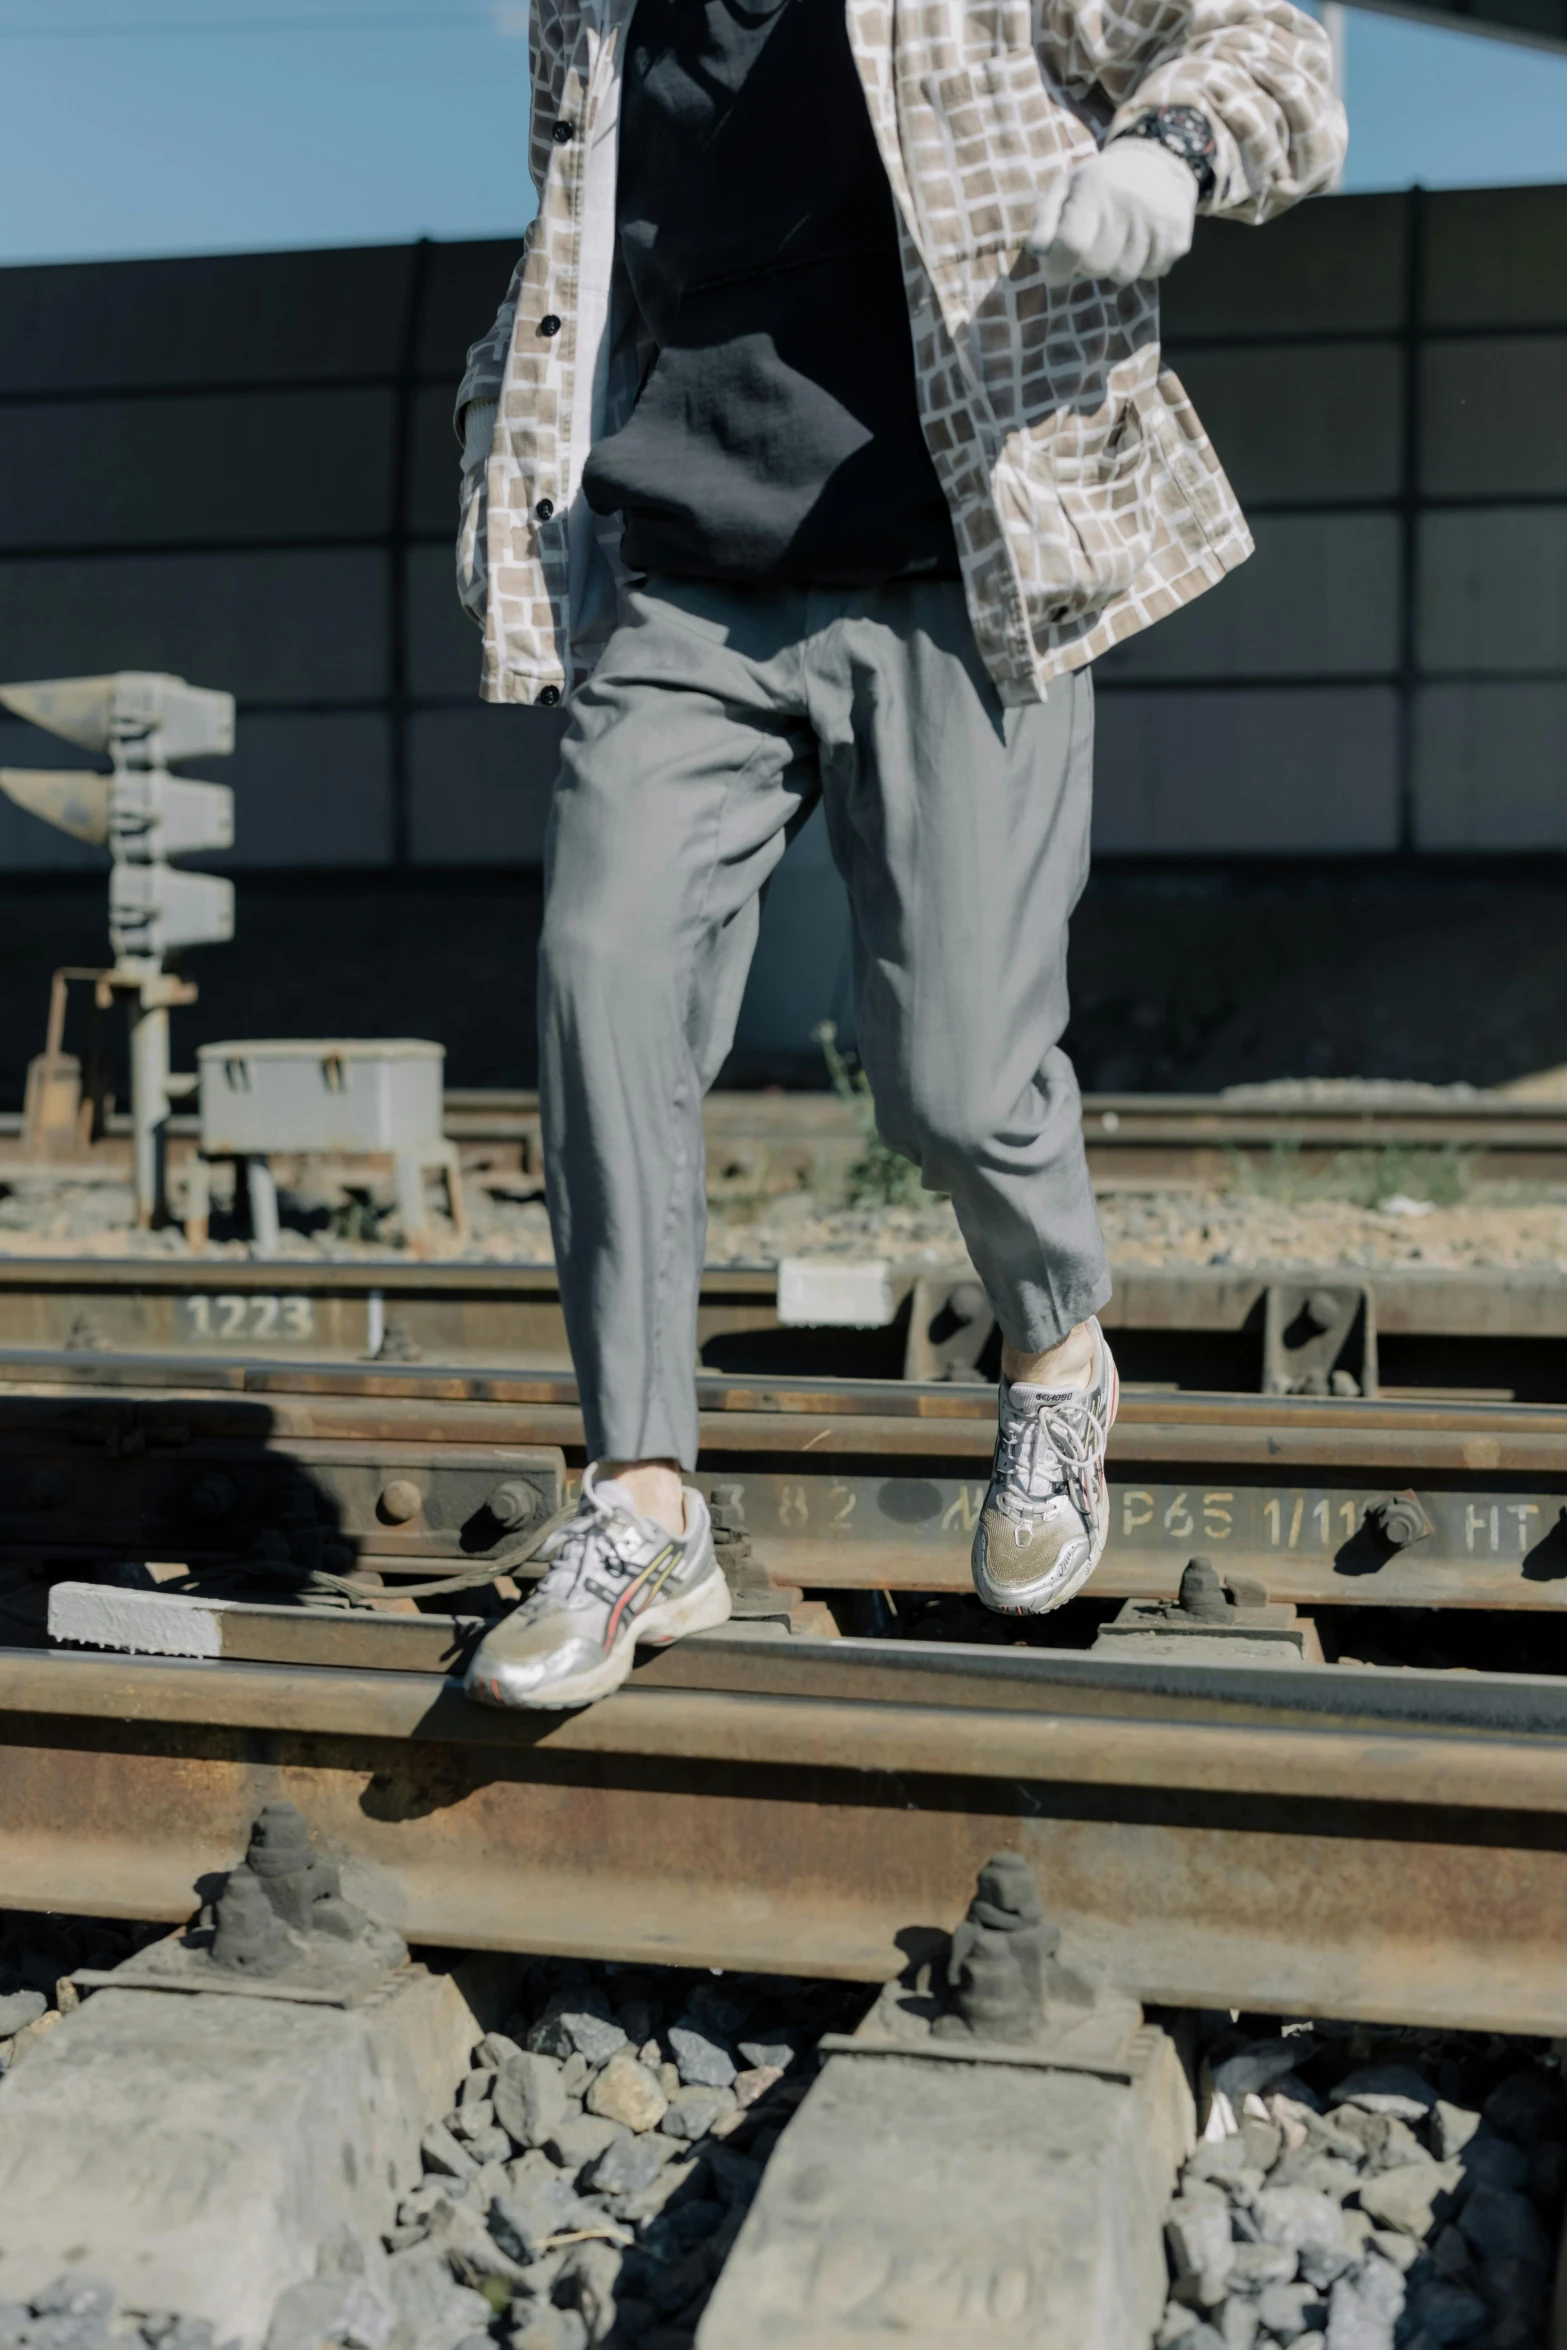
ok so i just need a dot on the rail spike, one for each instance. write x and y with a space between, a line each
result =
1004 1980
283 1897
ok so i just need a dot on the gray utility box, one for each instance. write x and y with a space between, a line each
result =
326 1094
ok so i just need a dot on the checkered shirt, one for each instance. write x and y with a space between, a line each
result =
1086 498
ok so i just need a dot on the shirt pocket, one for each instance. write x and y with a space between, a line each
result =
1075 497
1105 489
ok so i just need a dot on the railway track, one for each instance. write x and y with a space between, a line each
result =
771 1140
1322 1842
400 1471
801 1799
1480 1334
1333 1839
761 1139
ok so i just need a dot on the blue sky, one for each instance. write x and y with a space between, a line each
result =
124 138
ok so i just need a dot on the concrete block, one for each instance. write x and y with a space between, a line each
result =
279 625
313 787
199 2151
803 969
270 465
1494 257
938 2203
480 779
836 1292
433 465
463 282
235 318
1335 266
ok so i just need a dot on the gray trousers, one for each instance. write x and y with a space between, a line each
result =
716 718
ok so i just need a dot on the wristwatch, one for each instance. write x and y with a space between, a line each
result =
1187 132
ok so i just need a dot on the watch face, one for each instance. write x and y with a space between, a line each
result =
1186 127
1187 132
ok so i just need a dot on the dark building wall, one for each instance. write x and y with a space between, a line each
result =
1385 378
243 470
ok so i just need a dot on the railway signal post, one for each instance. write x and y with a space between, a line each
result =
146 723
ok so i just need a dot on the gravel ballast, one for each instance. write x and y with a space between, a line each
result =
1385 2190
584 2187
598 2160
1144 1230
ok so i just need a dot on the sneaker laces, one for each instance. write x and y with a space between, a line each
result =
587 1539
1049 1448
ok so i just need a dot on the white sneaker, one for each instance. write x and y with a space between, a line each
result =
614 1578
1042 1530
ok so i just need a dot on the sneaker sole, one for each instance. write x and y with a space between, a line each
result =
1039 1599
701 1609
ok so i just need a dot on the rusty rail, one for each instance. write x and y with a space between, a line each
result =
1329 1841
836 1485
1489 1333
1131 1138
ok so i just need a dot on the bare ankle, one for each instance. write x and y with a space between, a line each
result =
1069 1363
655 1489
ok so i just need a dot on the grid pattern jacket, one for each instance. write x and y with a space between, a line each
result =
1085 495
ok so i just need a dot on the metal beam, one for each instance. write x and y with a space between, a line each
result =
838 1485
1317 1842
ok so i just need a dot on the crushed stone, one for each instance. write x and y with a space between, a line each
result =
567 2200
624 2179
1395 2189
1279 1226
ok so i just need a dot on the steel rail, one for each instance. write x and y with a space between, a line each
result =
1302 1842
833 1485
1121 1130
1113 1122
1418 1301
1495 1333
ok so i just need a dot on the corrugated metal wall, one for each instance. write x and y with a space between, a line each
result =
1386 380
243 470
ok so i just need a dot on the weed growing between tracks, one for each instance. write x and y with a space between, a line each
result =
880 1177
1362 1178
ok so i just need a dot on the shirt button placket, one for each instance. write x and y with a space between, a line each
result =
561 133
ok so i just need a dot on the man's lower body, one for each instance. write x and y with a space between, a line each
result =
715 721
